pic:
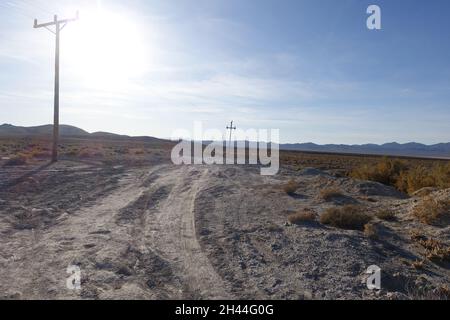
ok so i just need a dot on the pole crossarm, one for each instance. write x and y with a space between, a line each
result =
54 22
231 128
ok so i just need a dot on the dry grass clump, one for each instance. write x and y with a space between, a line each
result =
386 171
417 178
329 194
404 176
435 250
346 217
302 216
418 264
24 220
431 210
387 215
18 160
291 186
416 235
370 231
443 292
272 227
138 151
90 153
423 192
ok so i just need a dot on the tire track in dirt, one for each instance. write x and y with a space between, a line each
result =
171 233
136 242
76 238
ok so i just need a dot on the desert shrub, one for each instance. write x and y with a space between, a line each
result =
302 216
291 186
443 292
139 151
418 264
387 215
37 152
386 171
72 152
84 153
441 175
424 192
414 179
122 150
370 231
90 153
24 220
329 194
435 250
369 199
404 177
272 227
417 235
18 160
430 210
346 217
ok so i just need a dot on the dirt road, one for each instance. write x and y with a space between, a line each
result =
195 232
137 242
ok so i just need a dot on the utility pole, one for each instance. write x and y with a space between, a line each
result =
231 128
59 25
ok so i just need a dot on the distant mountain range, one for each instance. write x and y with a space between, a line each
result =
412 149
9 130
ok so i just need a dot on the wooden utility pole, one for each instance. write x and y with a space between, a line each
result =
59 25
231 128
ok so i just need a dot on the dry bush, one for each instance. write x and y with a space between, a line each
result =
18 160
443 292
346 217
121 150
302 216
291 186
367 199
370 231
387 215
71 151
90 153
415 179
417 235
139 151
386 171
24 220
272 227
407 177
418 264
435 250
418 293
423 192
329 194
441 175
431 210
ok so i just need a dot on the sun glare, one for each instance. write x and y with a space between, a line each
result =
104 48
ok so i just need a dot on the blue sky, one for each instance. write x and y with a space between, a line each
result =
310 68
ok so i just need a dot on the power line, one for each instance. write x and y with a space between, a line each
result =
59 25
22 8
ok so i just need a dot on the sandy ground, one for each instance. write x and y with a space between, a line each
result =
198 232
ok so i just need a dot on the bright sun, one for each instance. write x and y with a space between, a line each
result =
104 48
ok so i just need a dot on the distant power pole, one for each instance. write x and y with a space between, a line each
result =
231 128
59 25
